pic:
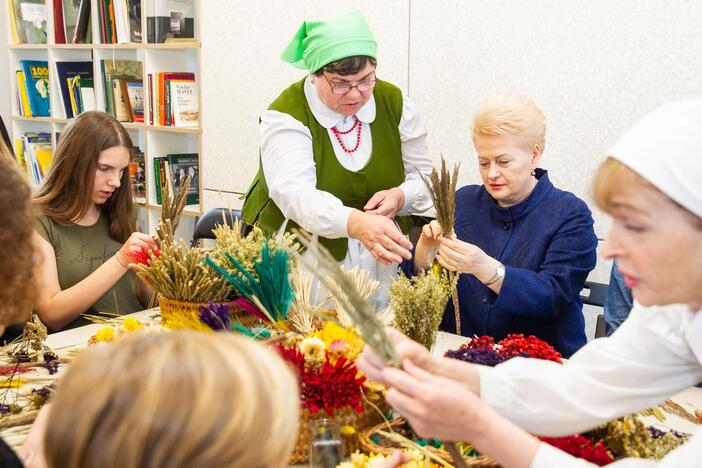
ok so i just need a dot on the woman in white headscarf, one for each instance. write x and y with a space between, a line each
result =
651 185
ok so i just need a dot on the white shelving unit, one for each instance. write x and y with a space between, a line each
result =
154 140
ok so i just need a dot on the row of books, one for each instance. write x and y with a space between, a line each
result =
34 154
33 88
172 169
124 89
119 21
72 23
28 21
173 100
76 86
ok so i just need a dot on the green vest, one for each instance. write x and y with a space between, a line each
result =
383 171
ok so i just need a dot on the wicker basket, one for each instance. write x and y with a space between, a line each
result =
366 444
187 312
345 417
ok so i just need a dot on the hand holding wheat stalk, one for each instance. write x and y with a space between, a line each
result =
442 188
360 312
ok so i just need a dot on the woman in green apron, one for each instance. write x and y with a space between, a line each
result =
342 152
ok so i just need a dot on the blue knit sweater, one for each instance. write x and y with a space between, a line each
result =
547 245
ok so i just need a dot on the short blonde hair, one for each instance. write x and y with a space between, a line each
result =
176 399
511 114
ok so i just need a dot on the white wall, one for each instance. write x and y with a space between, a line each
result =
242 73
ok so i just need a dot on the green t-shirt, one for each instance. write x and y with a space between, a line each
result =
80 250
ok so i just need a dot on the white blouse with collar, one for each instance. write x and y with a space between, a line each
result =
290 172
654 354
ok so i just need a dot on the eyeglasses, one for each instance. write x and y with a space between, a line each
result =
343 88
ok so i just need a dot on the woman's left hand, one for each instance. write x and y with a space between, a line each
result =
456 255
386 202
436 407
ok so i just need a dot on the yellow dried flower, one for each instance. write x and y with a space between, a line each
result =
360 460
347 430
131 324
313 350
105 334
335 336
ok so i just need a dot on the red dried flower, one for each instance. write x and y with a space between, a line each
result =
331 386
143 255
294 357
14 369
581 447
516 344
480 342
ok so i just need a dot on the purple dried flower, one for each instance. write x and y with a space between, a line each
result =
6 409
657 433
20 357
216 316
483 356
51 362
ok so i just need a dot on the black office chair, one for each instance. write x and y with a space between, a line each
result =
211 218
595 294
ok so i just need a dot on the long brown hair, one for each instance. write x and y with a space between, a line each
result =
17 254
65 195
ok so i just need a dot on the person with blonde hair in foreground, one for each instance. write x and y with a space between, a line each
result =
523 247
176 399
651 186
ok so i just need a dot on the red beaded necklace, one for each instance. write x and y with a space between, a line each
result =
356 125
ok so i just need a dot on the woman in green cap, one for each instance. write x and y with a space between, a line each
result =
342 152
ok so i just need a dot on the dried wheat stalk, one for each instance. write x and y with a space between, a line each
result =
442 189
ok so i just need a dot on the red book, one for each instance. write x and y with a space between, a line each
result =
165 103
103 28
59 34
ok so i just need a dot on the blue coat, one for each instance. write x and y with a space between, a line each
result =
547 245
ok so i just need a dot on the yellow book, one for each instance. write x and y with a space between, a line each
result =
44 156
19 155
24 97
72 85
13 23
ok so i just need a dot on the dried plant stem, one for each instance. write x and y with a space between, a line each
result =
453 279
173 207
360 311
442 189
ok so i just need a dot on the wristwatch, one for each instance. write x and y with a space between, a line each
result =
499 274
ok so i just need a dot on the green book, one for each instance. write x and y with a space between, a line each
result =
157 179
130 70
182 165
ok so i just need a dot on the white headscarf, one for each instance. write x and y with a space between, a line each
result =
665 148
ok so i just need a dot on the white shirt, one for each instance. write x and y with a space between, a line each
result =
290 171
656 353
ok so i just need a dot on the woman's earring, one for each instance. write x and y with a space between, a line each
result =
533 173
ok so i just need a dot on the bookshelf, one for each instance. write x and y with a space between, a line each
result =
153 140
